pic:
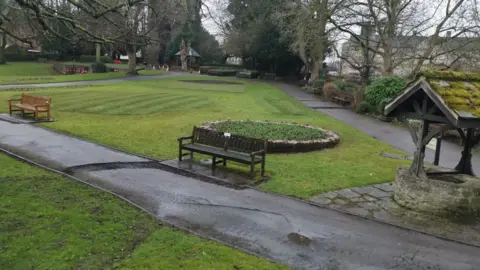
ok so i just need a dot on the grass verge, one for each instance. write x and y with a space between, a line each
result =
33 73
52 222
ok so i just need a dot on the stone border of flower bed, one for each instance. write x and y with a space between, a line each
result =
291 146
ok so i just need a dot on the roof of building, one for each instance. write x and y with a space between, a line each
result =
191 52
455 95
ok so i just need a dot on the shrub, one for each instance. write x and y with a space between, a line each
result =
364 107
14 57
328 89
383 88
204 69
222 72
99 68
217 65
93 59
318 84
251 74
344 86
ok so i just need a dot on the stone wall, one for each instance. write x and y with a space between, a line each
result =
459 196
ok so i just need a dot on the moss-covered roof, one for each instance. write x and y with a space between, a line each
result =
460 91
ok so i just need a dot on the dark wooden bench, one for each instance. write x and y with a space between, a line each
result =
225 147
31 104
342 98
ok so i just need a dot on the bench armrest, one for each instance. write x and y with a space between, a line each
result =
44 105
14 99
258 153
181 139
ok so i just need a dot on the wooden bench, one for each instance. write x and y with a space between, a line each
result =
342 98
31 104
225 147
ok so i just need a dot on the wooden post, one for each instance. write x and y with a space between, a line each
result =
419 155
437 149
465 164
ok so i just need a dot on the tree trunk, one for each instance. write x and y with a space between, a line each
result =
3 44
315 70
132 62
388 59
97 52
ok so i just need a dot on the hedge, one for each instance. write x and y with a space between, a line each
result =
251 74
222 72
93 59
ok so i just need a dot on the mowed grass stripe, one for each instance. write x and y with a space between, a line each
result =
108 106
85 104
177 103
78 100
196 105
135 107
283 106
82 100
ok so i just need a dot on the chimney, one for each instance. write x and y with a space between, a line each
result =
449 33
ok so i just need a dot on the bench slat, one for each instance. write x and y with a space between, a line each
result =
235 156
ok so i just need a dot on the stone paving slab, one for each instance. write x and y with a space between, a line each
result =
18 119
376 201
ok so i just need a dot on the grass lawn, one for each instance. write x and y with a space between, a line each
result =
31 72
52 222
146 117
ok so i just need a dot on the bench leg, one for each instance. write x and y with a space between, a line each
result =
252 169
191 155
214 162
180 154
224 162
263 167
35 113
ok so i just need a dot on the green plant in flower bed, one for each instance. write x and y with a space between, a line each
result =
270 131
222 72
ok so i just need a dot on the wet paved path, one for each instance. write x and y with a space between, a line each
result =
124 79
262 223
391 134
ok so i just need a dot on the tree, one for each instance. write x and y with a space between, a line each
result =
402 30
124 23
306 25
251 33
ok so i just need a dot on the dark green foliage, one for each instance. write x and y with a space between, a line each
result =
382 104
364 107
344 86
93 59
271 131
222 72
99 68
251 74
383 88
205 69
318 84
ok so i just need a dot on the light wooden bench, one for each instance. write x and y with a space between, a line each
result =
31 104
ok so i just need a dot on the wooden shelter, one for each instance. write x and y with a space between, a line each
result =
192 57
441 100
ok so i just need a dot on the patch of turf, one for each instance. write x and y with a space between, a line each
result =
270 131
51 222
31 73
152 129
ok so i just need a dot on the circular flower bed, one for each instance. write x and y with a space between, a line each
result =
281 137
